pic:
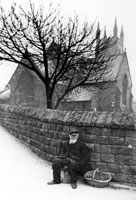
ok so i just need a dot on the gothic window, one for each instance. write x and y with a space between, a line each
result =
125 85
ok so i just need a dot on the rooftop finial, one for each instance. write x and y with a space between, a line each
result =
98 32
105 34
115 29
122 33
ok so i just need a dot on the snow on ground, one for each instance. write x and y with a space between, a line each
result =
24 176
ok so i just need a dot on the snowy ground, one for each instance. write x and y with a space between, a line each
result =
23 176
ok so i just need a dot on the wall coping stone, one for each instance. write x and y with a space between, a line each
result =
79 118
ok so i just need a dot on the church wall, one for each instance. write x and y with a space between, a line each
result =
39 94
20 93
109 99
124 70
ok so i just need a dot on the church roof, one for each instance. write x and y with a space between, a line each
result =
116 64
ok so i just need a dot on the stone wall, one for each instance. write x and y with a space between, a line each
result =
111 137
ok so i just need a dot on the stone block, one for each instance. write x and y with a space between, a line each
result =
50 134
23 138
47 148
118 132
89 138
88 119
61 116
95 157
73 117
77 118
101 119
107 158
68 116
63 135
48 126
99 148
55 143
130 141
102 139
35 150
43 132
45 141
106 131
34 137
49 157
96 130
55 134
131 133
116 119
130 170
90 146
49 141
66 128
53 126
85 130
123 150
134 160
59 128
38 137
94 119
127 121
116 140
82 118
101 165
35 144
53 150
115 168
29 134
126 160
44 126
92 165
109 119
124 178
42 147
43 155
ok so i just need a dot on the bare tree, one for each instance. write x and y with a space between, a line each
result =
65 55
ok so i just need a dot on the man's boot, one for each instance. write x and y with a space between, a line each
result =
74 185
54 182
56 175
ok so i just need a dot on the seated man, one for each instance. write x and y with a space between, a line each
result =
76 159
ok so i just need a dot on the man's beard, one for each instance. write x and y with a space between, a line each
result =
73 140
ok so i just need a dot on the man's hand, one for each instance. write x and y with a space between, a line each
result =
61 156
65 168
71 161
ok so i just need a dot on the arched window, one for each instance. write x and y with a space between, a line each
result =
125 85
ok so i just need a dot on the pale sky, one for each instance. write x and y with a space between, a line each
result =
104 11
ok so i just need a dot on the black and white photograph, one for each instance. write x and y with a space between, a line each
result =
68 99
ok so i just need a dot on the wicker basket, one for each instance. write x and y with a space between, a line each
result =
97 178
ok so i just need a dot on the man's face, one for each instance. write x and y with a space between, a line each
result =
73 138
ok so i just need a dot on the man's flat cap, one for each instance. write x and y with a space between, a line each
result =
73 132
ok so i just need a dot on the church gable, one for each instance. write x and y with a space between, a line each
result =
26 85
124 69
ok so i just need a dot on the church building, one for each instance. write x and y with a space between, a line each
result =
27 90
118 95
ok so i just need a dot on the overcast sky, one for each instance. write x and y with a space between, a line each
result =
104 11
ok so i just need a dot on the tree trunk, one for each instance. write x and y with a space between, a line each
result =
49 102
49 99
